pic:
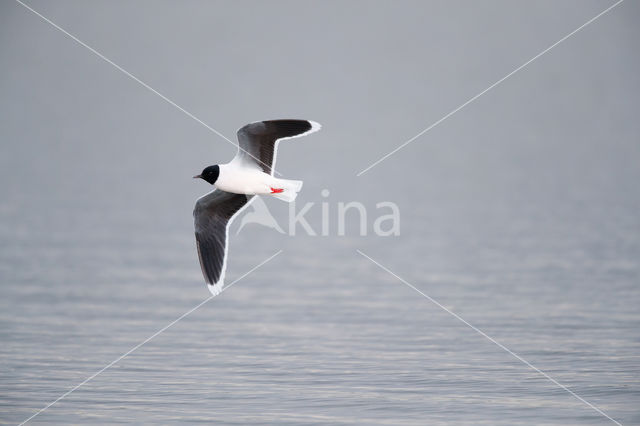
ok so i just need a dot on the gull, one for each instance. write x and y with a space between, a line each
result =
248 174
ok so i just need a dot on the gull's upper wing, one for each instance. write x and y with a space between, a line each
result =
258 141
212 215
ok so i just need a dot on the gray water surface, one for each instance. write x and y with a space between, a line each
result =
520 214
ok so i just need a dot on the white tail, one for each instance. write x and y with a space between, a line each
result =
291 189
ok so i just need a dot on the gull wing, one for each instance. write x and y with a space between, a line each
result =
258 141
212 215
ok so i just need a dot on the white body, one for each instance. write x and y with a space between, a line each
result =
242 178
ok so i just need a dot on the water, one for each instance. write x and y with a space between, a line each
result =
319 334
519 213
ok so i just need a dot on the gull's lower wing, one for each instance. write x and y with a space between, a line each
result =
212 215
258 141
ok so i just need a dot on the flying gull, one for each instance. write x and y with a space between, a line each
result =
250 173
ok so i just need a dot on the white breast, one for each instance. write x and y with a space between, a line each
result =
243 180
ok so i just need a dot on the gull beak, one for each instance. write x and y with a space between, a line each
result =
197 177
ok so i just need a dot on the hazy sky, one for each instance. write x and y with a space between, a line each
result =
374 74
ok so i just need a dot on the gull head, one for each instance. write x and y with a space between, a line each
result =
210 174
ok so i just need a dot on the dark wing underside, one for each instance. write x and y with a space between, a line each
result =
258 140
212 214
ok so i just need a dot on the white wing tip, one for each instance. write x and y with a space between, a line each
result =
315 126
216 288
